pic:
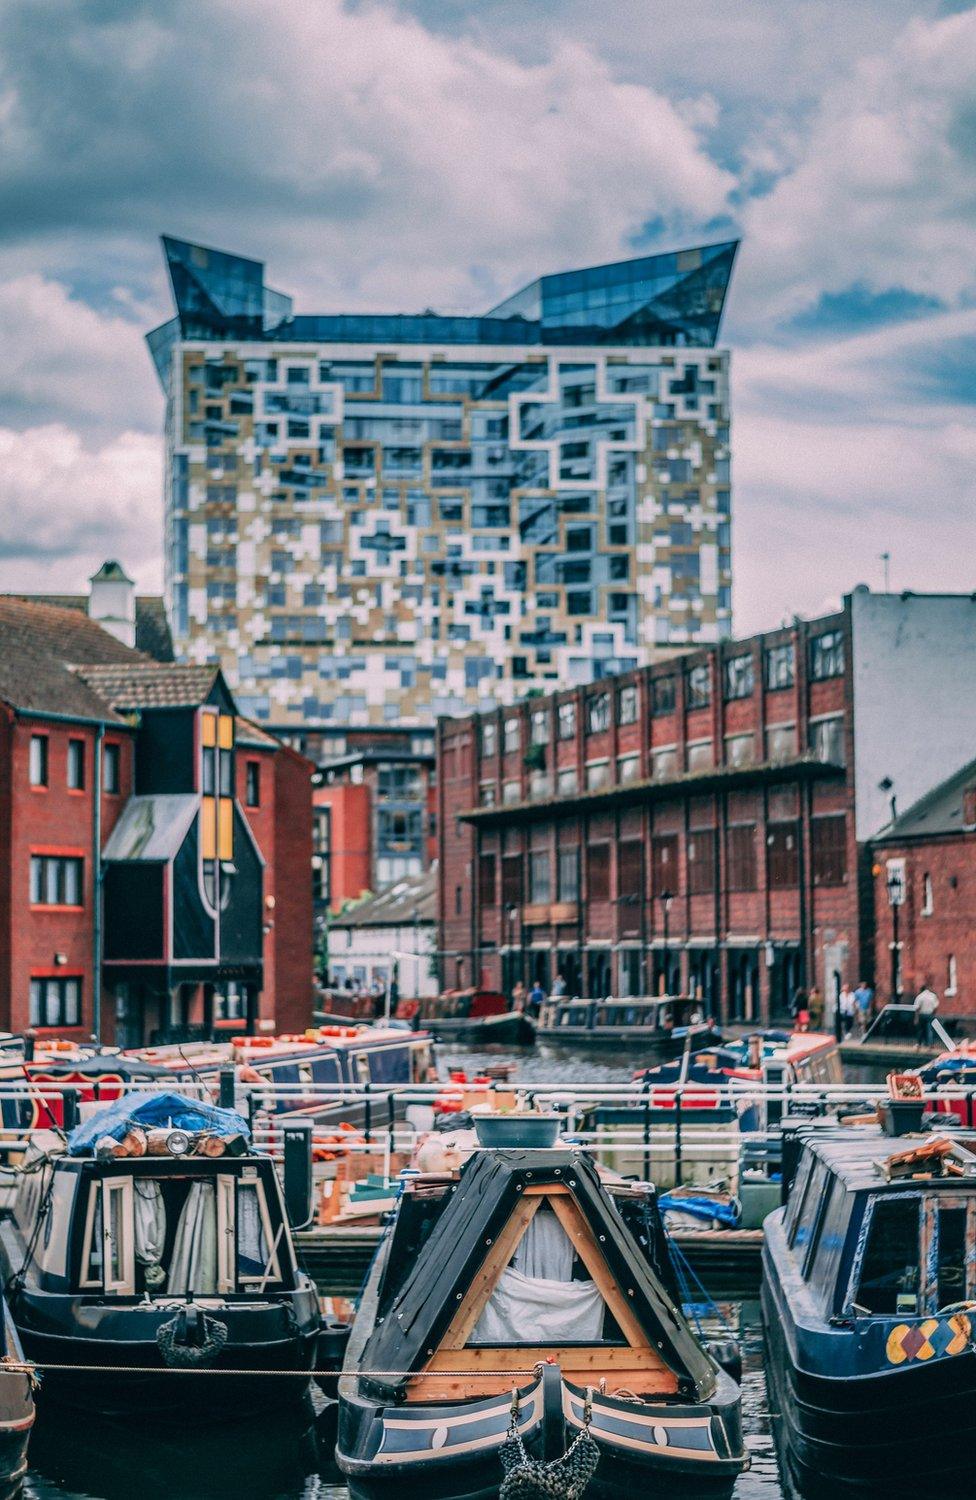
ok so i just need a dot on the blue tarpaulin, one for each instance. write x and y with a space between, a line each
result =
701 1208
152 1112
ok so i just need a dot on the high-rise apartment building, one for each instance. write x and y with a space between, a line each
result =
375 520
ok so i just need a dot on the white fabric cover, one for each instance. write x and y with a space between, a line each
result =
532 1310
194 1263
150 1220
536 1301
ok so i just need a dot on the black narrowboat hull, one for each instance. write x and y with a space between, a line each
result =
16 1421
452 1451
510 1030
653 1045
906 1432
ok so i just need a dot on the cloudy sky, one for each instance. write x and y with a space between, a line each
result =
399 154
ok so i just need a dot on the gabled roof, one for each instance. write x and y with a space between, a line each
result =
488 1195
939 812
39 642
149 684
152 828
152 627
395 907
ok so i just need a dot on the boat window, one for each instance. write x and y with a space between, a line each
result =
951 1256
888 1283
821 1210
797 1193
830 1244
118 1252
257 1248
809 1212
91 1254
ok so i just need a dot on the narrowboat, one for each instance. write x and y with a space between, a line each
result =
515 1306
663 1026
16 1407
473 1017
158 1241
869 1287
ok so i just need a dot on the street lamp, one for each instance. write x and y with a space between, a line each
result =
511 911
896 896
666 897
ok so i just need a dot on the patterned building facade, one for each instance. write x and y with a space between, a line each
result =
372 521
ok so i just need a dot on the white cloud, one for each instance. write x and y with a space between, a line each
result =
65 509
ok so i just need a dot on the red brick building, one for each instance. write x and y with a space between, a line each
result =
116 772
925 896
703 822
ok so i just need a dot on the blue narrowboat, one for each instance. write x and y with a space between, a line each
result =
869 1309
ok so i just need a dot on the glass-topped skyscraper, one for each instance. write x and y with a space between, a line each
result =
375 519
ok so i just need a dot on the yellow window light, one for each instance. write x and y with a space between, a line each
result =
208 729
208 828
225 823
225 732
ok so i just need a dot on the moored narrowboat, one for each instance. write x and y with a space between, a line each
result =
16 1406
515 1309
869 1283
158 1242
663 1026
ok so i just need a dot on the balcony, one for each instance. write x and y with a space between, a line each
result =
802 768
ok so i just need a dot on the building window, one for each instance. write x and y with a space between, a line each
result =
252 792
512 880
76 765
783 854
928 903
513 735
111 769
486 794
628 768
828 850
539 887
489 739
630 874
699 687
827 656
740 749
56 1002
540 726
230 1001
664 863
738 677
664 764
540 784
779 666
566 782
567 720
38 760
457 900
511 791
741 852
597 775
952 987
598 713
700 757
55 880
567 874
662 695
486 880
321 859
598 872
780 742
701 861
826 739
627 705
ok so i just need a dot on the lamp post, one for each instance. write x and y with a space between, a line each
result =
511 911
666 898
896 895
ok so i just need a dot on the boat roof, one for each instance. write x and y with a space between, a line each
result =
488 1193
853 1154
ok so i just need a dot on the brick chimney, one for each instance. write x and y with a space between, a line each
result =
969 805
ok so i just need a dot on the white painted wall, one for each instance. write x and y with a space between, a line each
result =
372 951
914 684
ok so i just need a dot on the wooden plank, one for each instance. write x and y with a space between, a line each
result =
526 1356
547 1190
483 1284
636 1369
586 1248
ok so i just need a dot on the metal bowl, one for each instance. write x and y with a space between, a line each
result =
517 1130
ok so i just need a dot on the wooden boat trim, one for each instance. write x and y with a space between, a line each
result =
473 1305
576 1227
595 1361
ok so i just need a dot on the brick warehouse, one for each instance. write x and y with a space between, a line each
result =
116 774
925 896
710 814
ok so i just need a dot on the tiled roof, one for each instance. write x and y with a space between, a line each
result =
38 642
150 684
395 907
246 732
152 627
940 811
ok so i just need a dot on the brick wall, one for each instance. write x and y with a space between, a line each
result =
928 940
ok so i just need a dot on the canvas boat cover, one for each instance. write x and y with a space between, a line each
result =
152 1112
489 1190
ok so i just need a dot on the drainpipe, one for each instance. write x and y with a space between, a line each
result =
97 889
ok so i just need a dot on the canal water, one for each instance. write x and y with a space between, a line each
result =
76 1458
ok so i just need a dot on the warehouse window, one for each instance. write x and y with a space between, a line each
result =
827 656
828 851
779 666
783 854
486 880
598 872
741 847
37 768
701 861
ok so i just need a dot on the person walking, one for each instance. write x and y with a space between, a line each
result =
926 1004
536 997
848 1007
815 1006
518 997
864 1000
558 988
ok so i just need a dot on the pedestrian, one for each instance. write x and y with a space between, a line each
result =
536 997
815 1006
847 1006
558 988
926 1004
798 1002
518 996
864 1000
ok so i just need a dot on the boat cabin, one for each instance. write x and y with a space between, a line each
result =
662 1013
156 1227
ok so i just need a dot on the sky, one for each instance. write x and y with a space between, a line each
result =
393 155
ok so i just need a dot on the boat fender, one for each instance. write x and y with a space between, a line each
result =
728 1355
191 1338
564 1478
